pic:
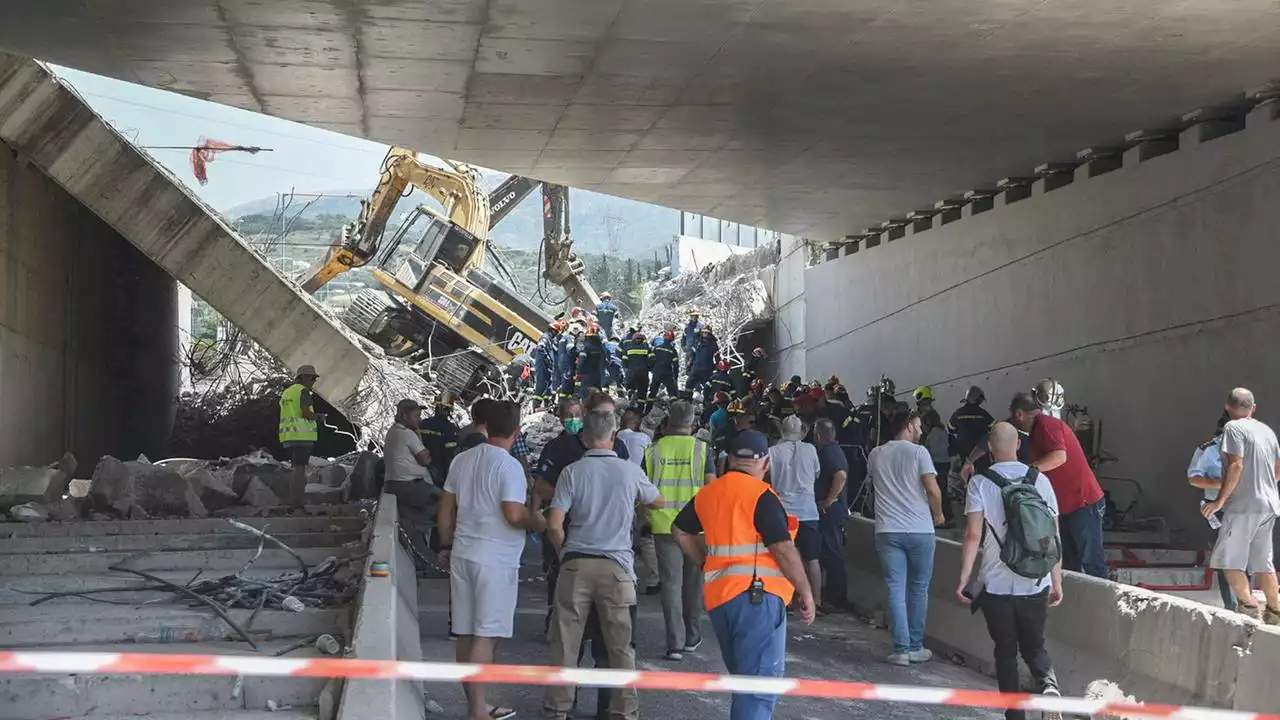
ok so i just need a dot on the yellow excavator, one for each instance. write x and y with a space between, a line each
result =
440 309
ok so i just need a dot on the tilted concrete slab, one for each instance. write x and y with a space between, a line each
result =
49 125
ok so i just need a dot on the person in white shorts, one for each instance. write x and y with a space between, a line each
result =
1250 503
483 519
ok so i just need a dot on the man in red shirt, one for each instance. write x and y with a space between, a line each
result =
1056 452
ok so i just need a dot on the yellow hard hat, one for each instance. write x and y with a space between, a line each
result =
924 392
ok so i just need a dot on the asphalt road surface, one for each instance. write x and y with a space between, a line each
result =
835 647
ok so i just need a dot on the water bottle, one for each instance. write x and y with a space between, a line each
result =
210 630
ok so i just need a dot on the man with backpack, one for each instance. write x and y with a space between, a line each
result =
1012 513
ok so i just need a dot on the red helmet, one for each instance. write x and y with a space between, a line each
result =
817 394
669 336
722 365
758 352
720 397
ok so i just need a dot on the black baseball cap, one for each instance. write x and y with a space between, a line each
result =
749 445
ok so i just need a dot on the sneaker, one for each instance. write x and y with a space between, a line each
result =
1271 616
674 655
1250 611
900 659
920 656
1052 714
693 646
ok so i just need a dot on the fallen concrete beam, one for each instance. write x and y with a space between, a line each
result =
49 125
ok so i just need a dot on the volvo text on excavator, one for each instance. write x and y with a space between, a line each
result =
440 310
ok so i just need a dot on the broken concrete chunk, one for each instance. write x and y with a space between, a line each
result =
161 491
19 485
111 487
214 492
257 493
29 512
363 478
317 494
274 475
333 475
65 510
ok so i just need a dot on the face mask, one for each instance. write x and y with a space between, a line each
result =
573 425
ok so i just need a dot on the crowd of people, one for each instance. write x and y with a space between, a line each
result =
739 513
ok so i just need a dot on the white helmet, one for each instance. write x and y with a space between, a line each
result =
1050 396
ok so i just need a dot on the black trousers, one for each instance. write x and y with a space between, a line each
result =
664 378
638 387
1016 624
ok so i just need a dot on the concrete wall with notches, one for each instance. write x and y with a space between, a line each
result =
1148 291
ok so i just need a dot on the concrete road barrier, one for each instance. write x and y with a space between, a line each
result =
1154 647
386 628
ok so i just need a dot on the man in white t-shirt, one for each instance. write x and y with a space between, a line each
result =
1015 607
793 470
406 460
908 505
483 520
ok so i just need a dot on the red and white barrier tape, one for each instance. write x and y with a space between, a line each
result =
146 664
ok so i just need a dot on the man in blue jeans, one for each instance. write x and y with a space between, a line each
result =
750 566
908 506
1056 452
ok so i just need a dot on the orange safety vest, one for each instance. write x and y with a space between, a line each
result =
735 552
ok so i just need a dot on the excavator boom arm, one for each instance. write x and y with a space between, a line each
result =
457 189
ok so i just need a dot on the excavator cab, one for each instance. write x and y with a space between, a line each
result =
425 237
436 307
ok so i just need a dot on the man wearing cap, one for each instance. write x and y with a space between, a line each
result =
406 460
750 568
606 311
679 465
299 429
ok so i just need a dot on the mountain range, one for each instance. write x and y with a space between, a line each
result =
600 223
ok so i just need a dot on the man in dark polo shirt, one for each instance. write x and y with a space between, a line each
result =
564 450
1056 452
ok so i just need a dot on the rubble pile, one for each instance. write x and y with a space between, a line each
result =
246 486
540 428
372 407
731 296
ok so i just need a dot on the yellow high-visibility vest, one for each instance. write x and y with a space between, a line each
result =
293 426
677 464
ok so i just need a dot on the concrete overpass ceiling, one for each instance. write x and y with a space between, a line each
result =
816 117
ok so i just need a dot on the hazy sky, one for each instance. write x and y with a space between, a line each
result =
304 158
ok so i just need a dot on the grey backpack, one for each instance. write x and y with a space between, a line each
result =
1031 547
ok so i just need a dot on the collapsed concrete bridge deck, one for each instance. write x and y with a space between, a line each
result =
46 126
